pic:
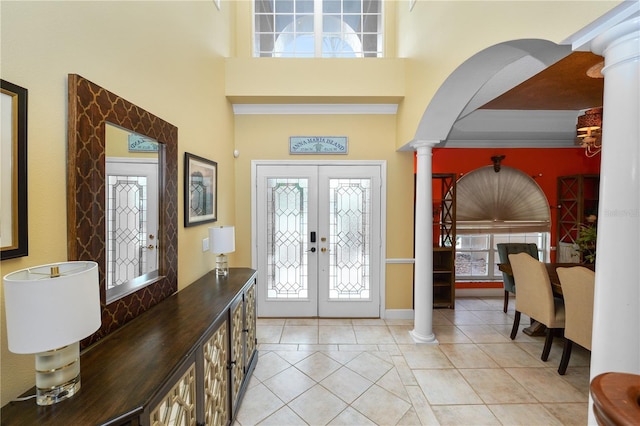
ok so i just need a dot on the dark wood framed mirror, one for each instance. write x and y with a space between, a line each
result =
91 109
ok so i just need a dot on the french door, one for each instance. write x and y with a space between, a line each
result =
318 235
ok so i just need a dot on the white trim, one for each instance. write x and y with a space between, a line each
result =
580 41
383 209
383 236
314 109
382 163
522 143
406 314
401 261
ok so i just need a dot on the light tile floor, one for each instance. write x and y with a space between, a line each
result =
369 372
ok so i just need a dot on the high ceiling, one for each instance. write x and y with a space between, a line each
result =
539 112
564 85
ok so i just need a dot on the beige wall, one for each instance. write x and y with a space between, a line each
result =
166 57
371 137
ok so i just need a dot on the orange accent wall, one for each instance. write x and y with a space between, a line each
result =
544 165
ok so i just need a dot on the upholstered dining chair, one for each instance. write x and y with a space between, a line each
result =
535 297
504 250
578 285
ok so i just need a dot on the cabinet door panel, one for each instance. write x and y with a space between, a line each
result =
250 324
177 407
216 382
237 345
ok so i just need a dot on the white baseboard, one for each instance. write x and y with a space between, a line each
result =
398 314
462 292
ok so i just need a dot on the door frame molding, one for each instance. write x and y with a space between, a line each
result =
383 208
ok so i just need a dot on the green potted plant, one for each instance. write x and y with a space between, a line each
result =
586 242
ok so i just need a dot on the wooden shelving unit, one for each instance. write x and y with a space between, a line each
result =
577 197
444 240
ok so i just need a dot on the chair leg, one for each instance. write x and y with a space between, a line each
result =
547 344
566 354
516 324
506 301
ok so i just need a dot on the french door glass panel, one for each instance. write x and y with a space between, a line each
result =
287 230
349 236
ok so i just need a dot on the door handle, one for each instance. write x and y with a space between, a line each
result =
312 250
323 249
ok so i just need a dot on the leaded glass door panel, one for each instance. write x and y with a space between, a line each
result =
318 235
132 223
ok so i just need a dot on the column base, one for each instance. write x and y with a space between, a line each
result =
423 340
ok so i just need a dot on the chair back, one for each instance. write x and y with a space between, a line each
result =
578 285
504 250
535 296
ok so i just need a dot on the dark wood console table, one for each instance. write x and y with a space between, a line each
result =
199 343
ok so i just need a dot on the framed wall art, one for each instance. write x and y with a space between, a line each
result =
200 190
13 172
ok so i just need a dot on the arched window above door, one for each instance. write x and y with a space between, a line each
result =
318 28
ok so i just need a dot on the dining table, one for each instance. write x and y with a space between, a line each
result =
537 329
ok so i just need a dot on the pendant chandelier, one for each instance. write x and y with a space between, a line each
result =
589 131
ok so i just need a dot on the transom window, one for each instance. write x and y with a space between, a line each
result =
477 254
318 28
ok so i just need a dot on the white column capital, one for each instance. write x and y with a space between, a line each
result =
424 145
619 43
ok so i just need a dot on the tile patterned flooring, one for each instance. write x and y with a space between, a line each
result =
369 372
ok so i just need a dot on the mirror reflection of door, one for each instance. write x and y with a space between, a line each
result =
131 216
319 245
132 221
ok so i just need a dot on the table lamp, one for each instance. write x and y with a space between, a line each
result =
49 309
222 240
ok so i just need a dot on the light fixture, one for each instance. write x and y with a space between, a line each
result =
222 240
589 131
49 309
497 159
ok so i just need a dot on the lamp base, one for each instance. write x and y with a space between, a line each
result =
222 266
57 374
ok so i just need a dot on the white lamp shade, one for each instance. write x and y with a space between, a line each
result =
222 239
45 313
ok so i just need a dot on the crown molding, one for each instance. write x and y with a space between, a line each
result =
315 109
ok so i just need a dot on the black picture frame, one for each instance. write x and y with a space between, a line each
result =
200 190
14 173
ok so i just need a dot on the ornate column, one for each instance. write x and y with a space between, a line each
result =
423 293
616 338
